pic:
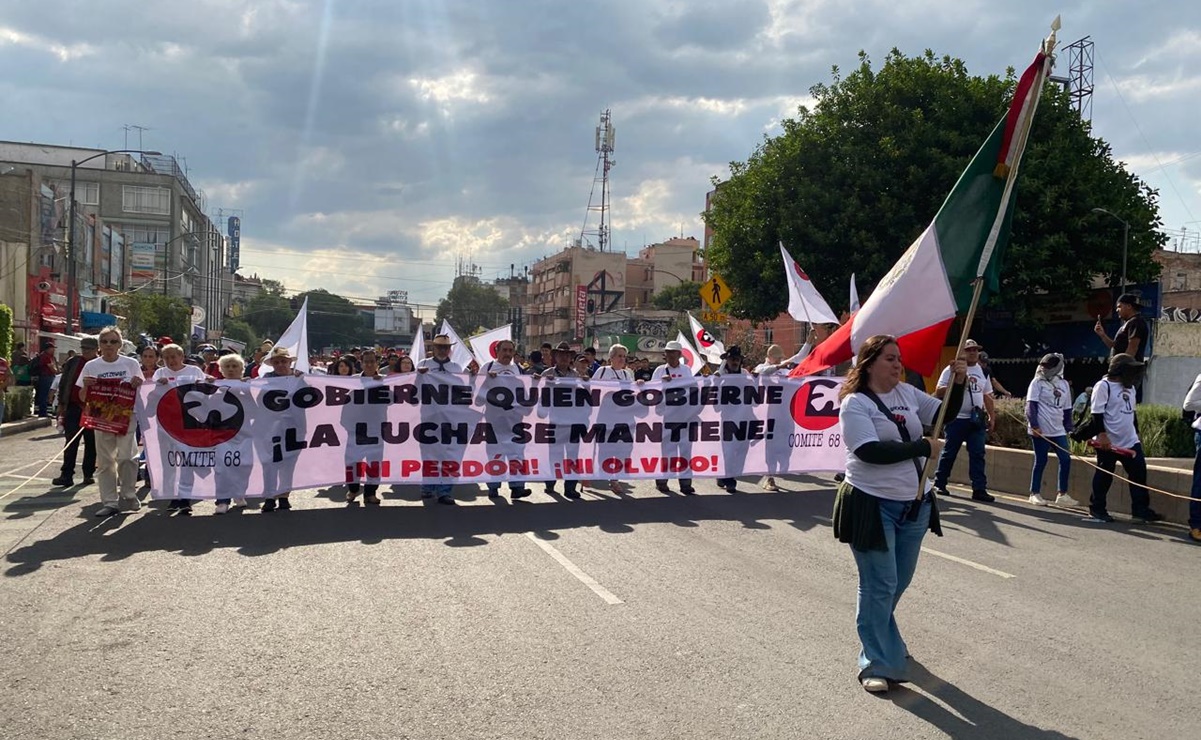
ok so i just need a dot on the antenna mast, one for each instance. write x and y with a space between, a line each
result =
606 138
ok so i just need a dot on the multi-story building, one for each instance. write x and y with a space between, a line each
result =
140 224
395 323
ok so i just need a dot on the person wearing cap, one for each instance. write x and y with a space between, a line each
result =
731 364
564 367
438 365
1115 427
280 361
672 369
1049 421
1191 413
116 454
975 419
209 354
70 416
505 365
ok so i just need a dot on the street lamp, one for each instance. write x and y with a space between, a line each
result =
71 278
1125 241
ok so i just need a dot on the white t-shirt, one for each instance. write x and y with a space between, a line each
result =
187 372
1116 403
664 371
974 390
493 366
607 372
863 422
122 368
1053 398
450 366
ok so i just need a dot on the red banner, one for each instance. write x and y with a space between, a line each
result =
109 406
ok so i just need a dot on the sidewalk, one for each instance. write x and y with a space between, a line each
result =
27 424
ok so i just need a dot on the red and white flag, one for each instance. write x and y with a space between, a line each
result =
804 302
484 345
918 299
710 346
689 355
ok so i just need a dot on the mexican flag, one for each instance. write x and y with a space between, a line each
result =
921 295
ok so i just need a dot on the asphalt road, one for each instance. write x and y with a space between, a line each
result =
639 616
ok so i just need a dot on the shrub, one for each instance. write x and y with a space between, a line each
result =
1162 431
18 403
6 331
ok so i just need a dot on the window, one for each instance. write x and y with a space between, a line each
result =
86 193
136 199
769 335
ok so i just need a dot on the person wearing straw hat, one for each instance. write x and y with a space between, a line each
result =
673 369
1049 420
437 366
974 420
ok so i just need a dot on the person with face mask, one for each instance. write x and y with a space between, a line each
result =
1114 425
1049 420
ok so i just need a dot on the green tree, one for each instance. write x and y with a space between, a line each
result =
685 296
155 314
268 314
6 332
240 331
471 307
334 321
272 287
849 184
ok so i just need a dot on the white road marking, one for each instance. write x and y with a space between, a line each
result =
573 569
969 563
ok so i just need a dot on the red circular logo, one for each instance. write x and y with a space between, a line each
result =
492 348
705 339
200 414
815 404
688 357
797 266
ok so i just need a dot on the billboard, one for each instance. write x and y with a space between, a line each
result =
234 230
141 263
581 309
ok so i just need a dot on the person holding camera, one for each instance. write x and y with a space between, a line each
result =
976 418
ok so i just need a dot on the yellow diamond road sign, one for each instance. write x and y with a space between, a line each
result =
715 292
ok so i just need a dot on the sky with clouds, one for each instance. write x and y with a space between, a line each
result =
371 143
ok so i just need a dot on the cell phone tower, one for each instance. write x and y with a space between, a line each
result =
606 138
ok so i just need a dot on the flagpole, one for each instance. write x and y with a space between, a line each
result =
1022 134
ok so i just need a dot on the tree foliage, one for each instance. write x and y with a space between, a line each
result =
471 307
156 315
334 321
268 314
849 184
6 333
685 296
240 331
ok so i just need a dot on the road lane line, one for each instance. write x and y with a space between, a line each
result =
573 569
969 563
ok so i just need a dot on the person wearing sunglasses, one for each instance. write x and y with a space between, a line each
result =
116 455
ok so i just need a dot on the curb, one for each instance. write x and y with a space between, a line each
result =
25 425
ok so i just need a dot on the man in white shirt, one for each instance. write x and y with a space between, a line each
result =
438 365
1192 414
670 370
116 455
972 424
1113 406
504 364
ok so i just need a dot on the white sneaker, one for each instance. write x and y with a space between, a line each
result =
1038 500
875 685
1065 500
770 486
240 502
222 508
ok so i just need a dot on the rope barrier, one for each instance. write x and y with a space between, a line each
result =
49 461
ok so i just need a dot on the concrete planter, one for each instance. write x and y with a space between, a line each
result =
1009 470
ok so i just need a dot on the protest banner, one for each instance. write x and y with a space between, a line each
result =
109 406
230 438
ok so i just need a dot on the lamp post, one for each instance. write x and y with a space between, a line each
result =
1125 241
71 277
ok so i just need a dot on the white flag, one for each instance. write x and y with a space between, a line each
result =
459 353
691 357
484 345
854 295
417 351
804 302
708 344
296 338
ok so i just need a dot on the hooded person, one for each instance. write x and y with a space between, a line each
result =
1048 422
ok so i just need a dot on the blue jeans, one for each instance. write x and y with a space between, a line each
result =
883 578
1194 506
1041 447
958 432
41 395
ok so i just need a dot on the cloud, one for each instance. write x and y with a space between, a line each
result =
64 52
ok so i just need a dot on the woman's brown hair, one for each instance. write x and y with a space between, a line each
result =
869 352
